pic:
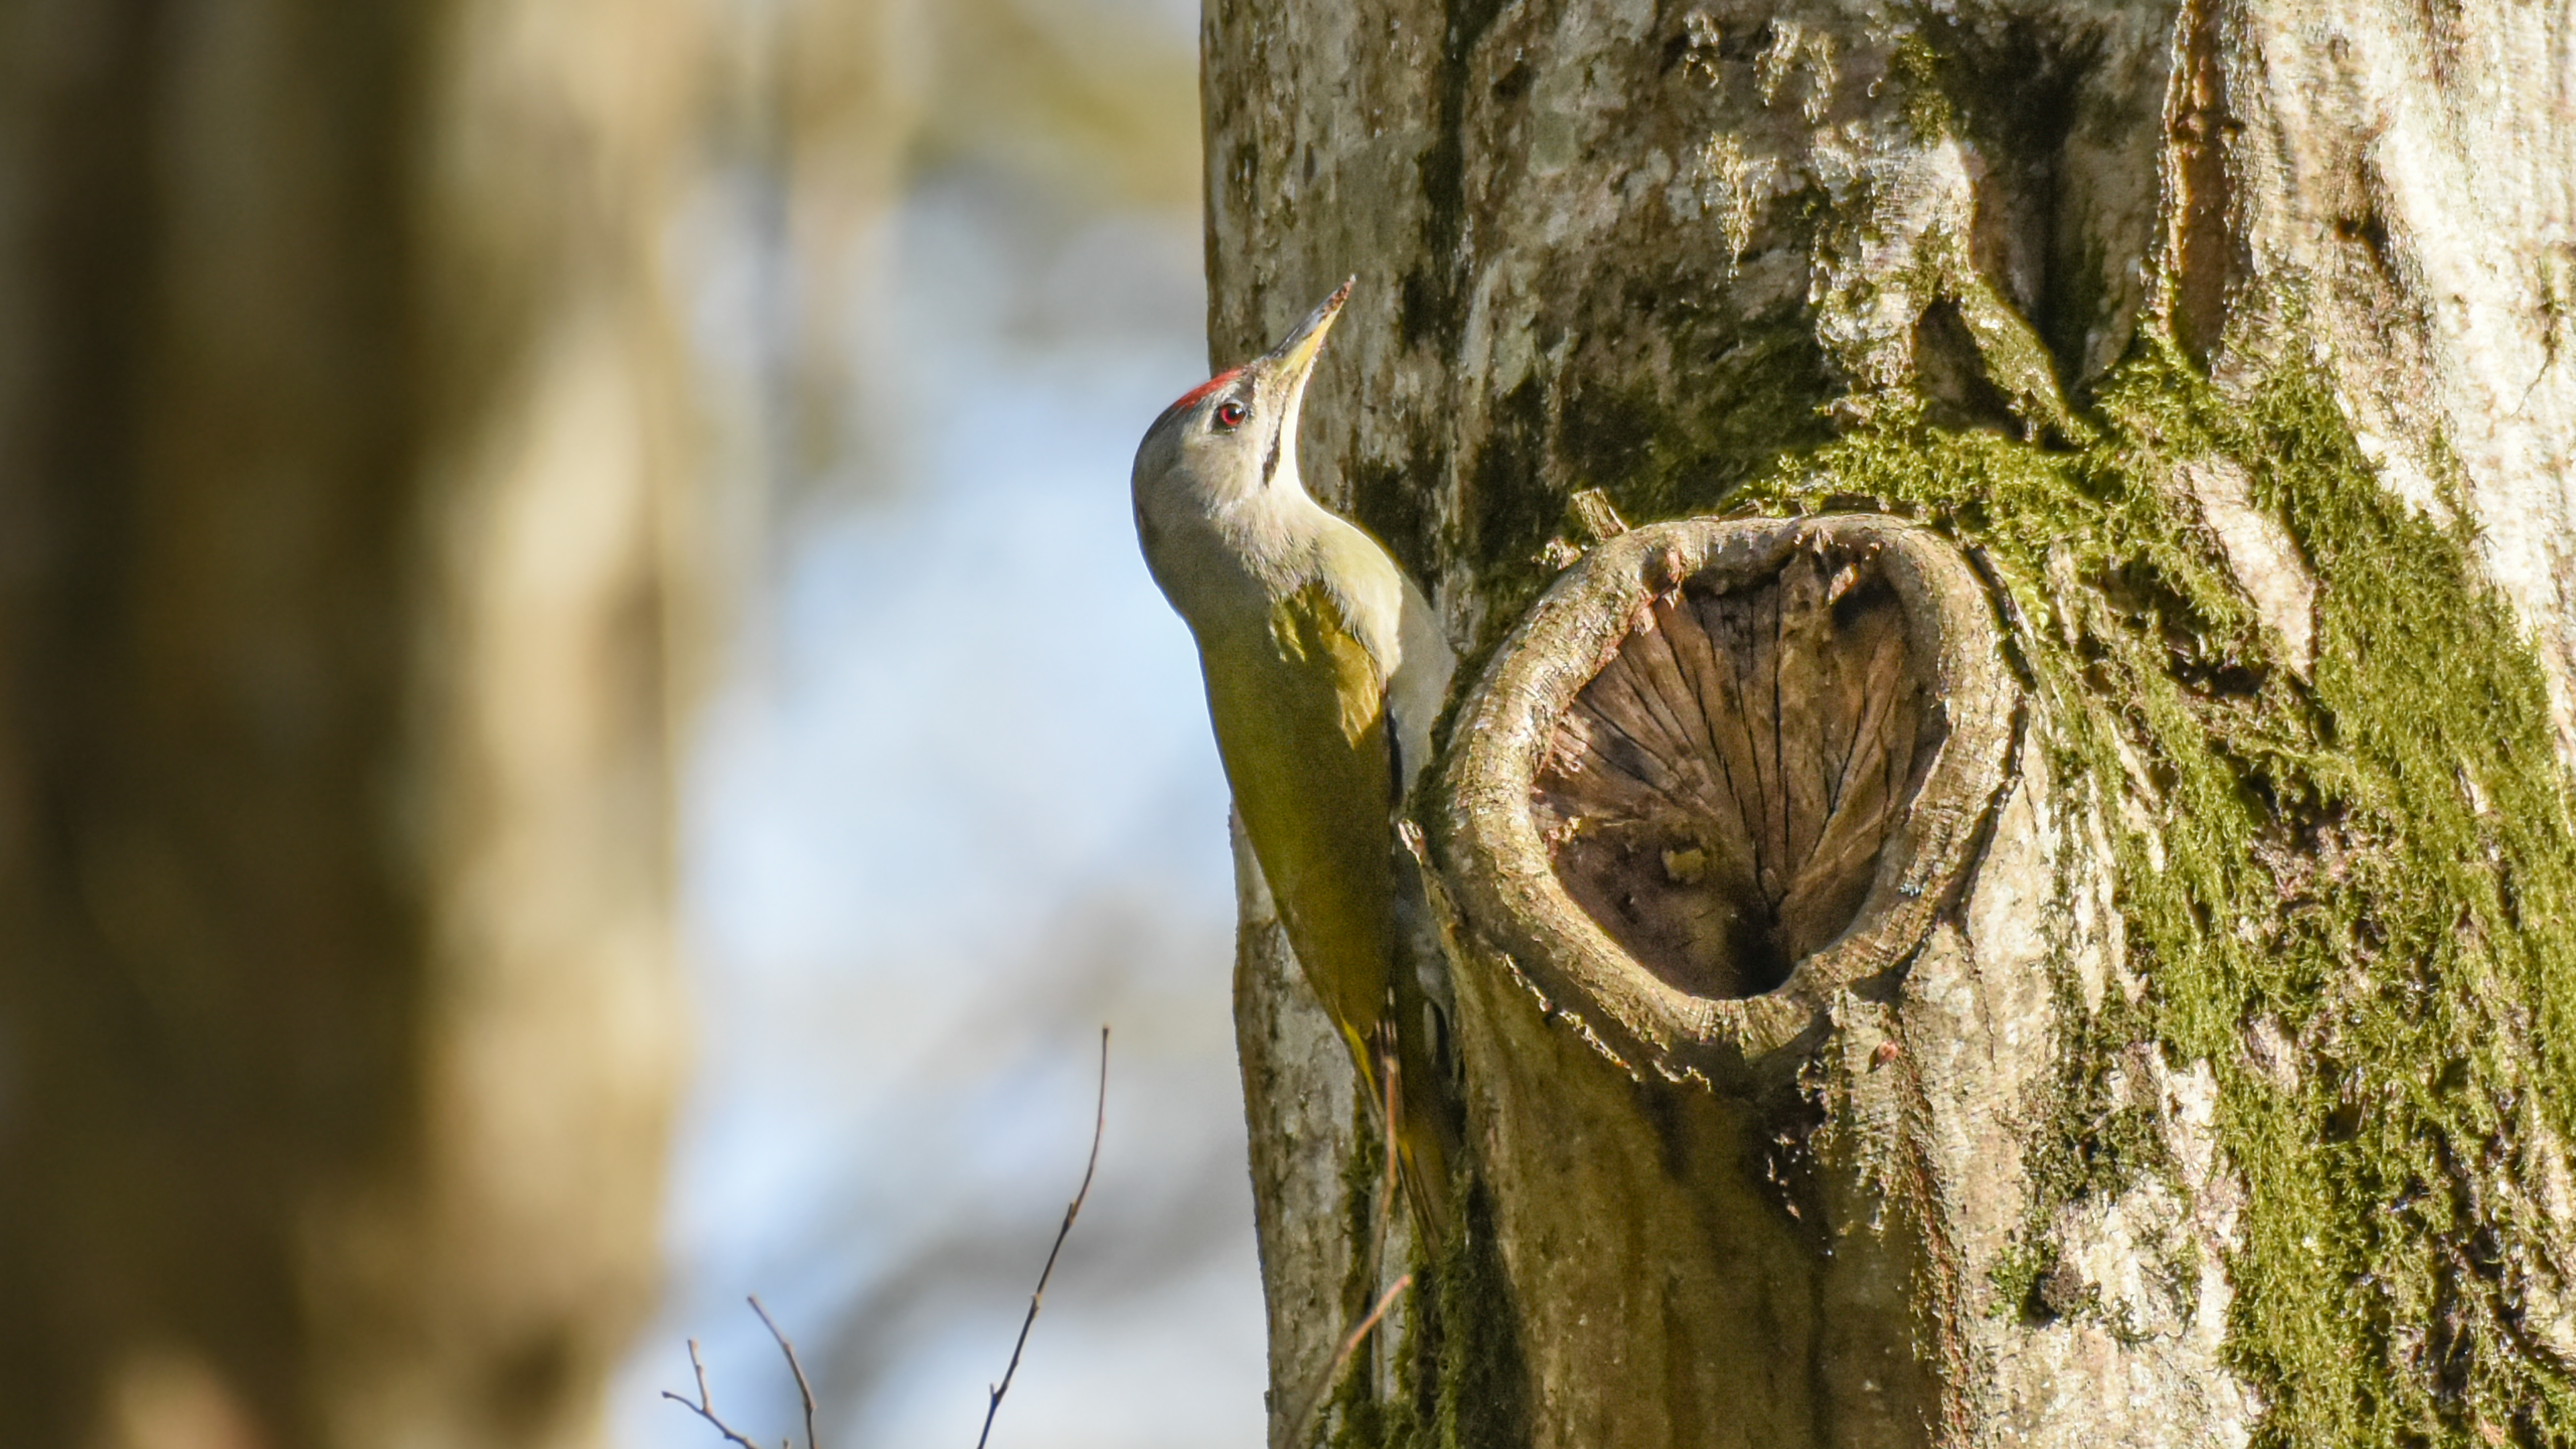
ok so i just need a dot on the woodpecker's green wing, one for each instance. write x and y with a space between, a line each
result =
1300 722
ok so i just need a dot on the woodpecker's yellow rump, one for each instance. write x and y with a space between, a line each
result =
1325 667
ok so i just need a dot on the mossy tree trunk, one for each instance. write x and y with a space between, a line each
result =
2213 1082
341 606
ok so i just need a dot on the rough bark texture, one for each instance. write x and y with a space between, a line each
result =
2224 1095
341 494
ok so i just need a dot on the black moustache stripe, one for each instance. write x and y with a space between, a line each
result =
1270 459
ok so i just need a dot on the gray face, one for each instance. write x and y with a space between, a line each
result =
1218 445
1232 438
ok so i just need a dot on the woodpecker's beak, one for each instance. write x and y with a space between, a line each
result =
1293 359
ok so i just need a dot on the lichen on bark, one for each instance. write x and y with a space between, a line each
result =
2366 866
2167 315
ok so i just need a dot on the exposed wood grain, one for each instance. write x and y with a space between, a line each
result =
1719 794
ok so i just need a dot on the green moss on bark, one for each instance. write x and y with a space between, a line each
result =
1481 1400
1459 1378
2376 862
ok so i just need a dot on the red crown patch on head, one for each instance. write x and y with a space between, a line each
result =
1203 389
1186 399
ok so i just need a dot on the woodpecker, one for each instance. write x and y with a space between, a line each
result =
1324 668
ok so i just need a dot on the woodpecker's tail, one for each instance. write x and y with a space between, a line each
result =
1416 1039
1403 1074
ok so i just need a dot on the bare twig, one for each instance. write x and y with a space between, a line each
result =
1386 1195
804 1390
705 1407
1314 1404
1072 1210
1351 1345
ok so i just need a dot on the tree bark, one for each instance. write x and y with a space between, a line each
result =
348 586
2216 1087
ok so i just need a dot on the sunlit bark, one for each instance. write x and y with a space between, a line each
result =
2220 1096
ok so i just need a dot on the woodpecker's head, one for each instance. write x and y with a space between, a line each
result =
1234 436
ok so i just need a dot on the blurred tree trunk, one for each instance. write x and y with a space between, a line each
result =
346 586
2221 1089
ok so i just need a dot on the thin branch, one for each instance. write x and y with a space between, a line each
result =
1385 1301
804 1390
1342 1359
1072 1210
705 1407
1386 1195
1313 1406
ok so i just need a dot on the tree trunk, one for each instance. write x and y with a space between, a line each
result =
2043 917
341 608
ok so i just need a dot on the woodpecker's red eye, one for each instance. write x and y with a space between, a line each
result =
1229 414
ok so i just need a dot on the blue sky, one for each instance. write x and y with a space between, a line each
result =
953 808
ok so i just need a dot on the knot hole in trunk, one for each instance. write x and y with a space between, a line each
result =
1725 768
1719 795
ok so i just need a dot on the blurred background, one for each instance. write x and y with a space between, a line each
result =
582 734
